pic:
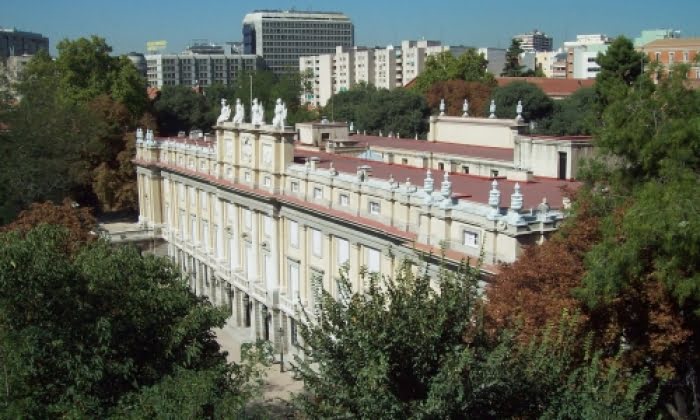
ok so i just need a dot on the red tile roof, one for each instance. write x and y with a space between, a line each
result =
470 187
496 153
552 87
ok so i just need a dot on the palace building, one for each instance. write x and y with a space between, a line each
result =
262 217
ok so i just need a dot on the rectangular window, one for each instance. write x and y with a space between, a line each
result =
343 248
293 281
267 225
295 186
294 234
247 177
249 263
373 260
316 243
404 161
293 334
267 181
671 56
318 193
248 218
193 228
205 235
470 239
267 270
494 173
465 169
203 198
344 200
374 208
219 241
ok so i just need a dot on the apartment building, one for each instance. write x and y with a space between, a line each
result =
192 69
582 55
261 223
281 37
385 68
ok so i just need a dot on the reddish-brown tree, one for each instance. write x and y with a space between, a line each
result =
455 92
536 290
79 221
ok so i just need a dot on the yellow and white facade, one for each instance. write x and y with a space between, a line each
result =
260 224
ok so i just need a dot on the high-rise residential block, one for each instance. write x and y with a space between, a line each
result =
385 68
535 41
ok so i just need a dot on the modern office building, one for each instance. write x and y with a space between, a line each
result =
385 68
18 43
582 55
193 69
535 41
261 223
280 37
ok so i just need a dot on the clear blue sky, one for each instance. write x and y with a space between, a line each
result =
128 24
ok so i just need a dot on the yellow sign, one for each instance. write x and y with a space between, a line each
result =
155 46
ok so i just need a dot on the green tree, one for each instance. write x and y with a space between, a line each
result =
572 116
620 66
512 68
87 101
179 108
373 110
536 104
49 148
470 67
412 347
83 332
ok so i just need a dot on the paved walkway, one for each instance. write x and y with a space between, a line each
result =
278 387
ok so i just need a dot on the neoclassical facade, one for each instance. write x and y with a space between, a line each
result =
262 217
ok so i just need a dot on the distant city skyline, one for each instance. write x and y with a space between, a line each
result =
127 25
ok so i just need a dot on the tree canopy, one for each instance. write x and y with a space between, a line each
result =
106 331
512 68
572 116
413 347
67 136
536 104
470 67
373 110
628 259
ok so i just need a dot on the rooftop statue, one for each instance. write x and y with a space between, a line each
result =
465 108
492 109
280 117
519 110
225 112
240 112
257 113
442 107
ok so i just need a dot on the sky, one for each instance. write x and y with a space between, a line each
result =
128 24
